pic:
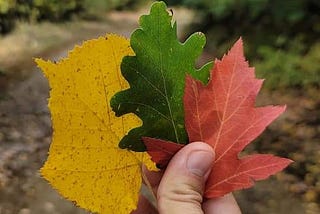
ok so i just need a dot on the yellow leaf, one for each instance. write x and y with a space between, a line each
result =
85 164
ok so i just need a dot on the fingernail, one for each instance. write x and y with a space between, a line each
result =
199 162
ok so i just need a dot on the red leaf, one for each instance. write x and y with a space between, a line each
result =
235 174
223 115
161 151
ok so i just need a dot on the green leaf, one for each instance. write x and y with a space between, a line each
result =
156 75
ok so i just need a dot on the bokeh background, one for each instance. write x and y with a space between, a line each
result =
281 40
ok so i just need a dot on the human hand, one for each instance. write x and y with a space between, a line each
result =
180 187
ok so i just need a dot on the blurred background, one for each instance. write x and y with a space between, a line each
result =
281 40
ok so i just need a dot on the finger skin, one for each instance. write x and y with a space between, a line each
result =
181 188
185 199
223 205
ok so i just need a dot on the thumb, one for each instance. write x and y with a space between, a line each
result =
182 185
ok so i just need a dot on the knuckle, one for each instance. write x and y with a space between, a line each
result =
180 194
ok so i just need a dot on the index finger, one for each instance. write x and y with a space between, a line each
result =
223 205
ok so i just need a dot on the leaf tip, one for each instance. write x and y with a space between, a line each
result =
158 4
156 7
40 62
281 108
240 40
238 46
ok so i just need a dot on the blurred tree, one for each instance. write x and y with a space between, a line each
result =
276 31
52 10
6 21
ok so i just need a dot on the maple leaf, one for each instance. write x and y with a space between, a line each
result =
156 75
223 115
85 164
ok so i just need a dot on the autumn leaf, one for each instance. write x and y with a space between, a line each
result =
156 75
223 114
85 164
161 151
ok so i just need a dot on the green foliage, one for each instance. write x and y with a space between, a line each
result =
6 5
55 10
280 11
35 10
52 10
156 75
272 65
6 20
289 68
92 8
283 36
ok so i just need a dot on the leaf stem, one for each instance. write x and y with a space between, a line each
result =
149 186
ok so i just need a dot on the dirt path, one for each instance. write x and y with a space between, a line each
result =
26 130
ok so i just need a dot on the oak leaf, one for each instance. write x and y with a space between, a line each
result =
85 164
156 75
223 114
